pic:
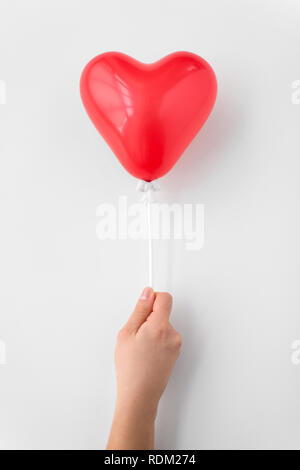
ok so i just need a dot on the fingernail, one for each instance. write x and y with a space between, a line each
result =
146 294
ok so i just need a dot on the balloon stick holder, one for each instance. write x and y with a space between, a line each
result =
147 189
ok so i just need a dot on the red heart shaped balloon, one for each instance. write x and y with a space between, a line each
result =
148 113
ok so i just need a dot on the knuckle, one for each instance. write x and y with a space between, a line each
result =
178 340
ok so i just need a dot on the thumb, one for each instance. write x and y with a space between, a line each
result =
142 310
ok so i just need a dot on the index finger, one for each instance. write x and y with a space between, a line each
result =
162 307
142 310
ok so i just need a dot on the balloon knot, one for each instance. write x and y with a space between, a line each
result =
147 188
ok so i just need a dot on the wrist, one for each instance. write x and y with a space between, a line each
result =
133 426
136 408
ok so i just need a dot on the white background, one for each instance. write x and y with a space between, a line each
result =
65 293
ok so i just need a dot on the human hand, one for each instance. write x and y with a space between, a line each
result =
146 351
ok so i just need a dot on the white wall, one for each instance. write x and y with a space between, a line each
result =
64 293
